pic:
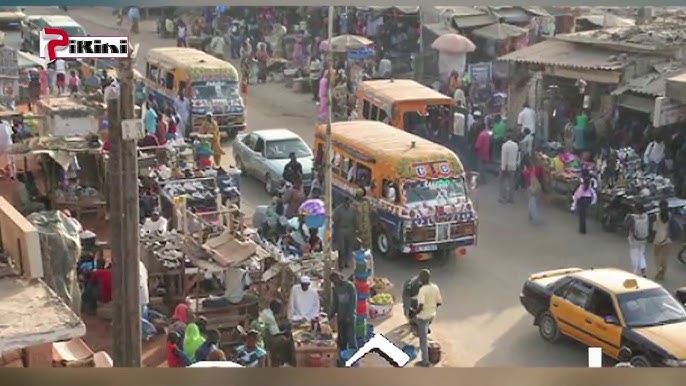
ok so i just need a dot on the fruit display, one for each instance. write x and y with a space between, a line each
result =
381 284
382 299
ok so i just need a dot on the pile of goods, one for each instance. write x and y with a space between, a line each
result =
644 188
363 287
200 195
166 248
75 192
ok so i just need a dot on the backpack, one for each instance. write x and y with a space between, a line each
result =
641 227
676 231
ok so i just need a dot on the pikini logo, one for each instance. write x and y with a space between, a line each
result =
56 43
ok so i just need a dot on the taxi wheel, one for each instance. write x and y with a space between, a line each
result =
240 166
547 327
640 361
269 184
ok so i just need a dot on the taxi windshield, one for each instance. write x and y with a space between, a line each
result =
653 307
441 191
214 90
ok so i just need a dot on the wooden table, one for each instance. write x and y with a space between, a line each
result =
326 352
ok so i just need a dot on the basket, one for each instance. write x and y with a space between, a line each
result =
378 310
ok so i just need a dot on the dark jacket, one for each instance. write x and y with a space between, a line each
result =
344 302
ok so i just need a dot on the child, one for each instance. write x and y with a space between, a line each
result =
73 83
175 356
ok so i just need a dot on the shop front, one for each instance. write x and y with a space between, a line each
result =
554 73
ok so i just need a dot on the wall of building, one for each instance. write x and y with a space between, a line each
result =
20 240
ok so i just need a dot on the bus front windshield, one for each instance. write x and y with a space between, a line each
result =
441 191
214 90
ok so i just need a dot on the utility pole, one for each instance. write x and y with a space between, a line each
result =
124 215
328 175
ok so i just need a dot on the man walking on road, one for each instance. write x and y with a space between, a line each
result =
638 224
509 159
428 301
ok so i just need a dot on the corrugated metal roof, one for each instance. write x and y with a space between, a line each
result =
499 31
460 10
472 21
564 54
653 84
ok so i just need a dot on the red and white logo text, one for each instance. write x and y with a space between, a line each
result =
54 43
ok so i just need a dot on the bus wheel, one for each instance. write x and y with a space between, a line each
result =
382 242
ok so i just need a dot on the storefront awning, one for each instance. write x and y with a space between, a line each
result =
643 104
564 54
676 88
653 84
32 314
500 31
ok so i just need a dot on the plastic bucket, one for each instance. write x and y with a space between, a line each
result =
362 308
315 221
362 286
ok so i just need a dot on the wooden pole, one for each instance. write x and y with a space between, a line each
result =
125 219
328 175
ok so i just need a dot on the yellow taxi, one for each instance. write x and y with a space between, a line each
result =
609 308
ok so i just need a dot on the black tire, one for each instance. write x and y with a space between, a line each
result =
682 255
548 328
640 361
382 243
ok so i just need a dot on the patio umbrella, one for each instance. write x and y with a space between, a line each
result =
453 44
345 43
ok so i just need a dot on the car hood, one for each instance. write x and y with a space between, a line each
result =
278 164
669 337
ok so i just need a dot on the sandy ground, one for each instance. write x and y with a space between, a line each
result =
482 322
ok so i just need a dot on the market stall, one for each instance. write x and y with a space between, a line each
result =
73 169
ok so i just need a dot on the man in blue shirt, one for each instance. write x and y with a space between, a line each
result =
150 121
134 18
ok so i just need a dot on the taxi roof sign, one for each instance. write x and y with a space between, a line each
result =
630 283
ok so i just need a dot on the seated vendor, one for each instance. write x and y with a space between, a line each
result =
250 354
304 303
155 223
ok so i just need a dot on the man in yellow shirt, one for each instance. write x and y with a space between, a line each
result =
428 301
209 126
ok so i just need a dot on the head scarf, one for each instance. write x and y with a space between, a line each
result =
181 313
192 340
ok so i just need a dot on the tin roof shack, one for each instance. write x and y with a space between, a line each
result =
586 67
67 116
658 51
25 296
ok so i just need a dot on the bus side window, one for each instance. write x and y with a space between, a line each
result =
169 81
382 115
390 191
336 164
182 87
374 116
366 106
363 176
152 73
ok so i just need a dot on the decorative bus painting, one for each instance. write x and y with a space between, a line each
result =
417 188
210 83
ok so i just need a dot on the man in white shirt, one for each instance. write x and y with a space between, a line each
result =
385 68
527 119
304 303
526 145
217 46
148 330
61 71
459 97
182 105
509 161
155 223
6 144
654 156
428 301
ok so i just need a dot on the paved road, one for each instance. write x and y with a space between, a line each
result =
482 323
